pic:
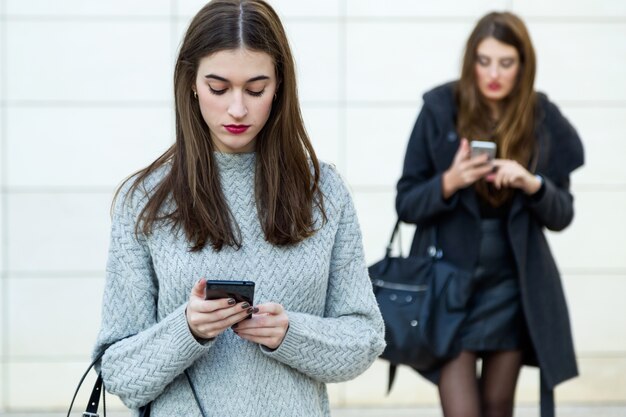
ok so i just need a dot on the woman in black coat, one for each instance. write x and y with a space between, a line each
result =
489 215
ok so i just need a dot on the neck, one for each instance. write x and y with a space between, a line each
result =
495 109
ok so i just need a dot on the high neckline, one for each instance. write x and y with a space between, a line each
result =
235 161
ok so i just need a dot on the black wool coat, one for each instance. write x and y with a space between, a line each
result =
431 149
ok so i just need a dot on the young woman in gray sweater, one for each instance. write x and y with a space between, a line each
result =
240 195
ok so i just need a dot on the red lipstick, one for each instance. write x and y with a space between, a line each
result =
494 86
236 129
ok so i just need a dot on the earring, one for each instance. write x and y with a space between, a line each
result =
195 94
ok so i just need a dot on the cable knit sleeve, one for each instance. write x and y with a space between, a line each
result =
349 337
143 355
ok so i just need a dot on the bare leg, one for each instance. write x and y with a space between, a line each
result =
497 382
458 387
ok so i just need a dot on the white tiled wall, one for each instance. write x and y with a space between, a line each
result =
86 99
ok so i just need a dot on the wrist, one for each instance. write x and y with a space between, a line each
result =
447 185
534 184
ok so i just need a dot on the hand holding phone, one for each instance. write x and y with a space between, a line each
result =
231 302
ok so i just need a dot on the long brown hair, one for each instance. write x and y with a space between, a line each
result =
514 132
287 170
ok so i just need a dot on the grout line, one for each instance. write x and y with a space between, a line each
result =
343 90
4 221
340 102
343 119
428 19
47 274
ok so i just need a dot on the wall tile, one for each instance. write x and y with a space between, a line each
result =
2 385
600 381
315 47
65 312
597 311
2 53
4 308
398 61
371 388
285 8
377 215
336 394
580 61
584 244
568 8
67 8
322 125
50 386
377 134
58 232
107 60
103 145
404 8
602 132
2 232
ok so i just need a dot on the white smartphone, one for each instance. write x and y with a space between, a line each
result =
480 147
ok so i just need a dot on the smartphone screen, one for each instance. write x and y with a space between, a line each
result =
239 290
480 147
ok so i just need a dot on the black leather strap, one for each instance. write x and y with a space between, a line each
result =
92 392
195 394
94 399
392 377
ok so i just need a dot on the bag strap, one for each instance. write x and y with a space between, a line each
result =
392 376
99 388
433 250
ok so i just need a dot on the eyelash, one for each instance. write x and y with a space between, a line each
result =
252 93
507 64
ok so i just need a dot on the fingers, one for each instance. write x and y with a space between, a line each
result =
508 173
268 325
270 308
463 152
198 288
210 325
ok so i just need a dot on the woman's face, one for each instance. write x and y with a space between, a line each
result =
497 66
235 90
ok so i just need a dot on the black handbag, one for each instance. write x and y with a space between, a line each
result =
423 303
98 389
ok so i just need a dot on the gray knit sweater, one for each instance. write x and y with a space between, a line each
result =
335 330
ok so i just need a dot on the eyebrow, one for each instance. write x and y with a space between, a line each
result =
253 79
498 58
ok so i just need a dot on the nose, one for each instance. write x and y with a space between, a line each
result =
494 71
237 108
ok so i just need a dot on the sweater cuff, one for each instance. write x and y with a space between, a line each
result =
189 346
292 344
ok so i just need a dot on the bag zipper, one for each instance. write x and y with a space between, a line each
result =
400 287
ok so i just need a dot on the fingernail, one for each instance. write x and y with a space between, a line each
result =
231 302
244 306
255 310
250 310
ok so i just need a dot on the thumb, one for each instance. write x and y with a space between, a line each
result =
463 151
198 288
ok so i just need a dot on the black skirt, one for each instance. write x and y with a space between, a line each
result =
495 319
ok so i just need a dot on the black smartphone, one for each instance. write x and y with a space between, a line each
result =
239 290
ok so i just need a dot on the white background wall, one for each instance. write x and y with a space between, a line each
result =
85 91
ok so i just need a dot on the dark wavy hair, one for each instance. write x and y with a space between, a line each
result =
287 170
514 132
